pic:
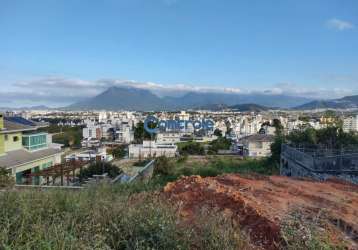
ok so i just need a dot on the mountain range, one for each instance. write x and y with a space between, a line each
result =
39 107
347 102
130 98
139 99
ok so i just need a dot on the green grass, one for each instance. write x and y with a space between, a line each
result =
105 217
135 216
210 166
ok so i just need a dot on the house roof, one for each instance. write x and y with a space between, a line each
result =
17 125
22 156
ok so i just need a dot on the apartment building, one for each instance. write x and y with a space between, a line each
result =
350 124
24 150
152 149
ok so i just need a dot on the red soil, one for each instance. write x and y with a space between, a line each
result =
259 204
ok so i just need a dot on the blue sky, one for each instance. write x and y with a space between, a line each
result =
61 50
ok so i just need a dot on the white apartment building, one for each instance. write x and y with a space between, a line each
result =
168 137
184 116
124 135
97 130
92 130
152 149
350 124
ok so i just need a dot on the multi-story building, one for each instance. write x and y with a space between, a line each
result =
169 137
23 150
152 149
350 124
124 134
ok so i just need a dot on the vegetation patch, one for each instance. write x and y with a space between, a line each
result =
105 217
99 168
170 169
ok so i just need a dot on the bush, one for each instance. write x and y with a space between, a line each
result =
99 168
163 166
6 180
118 152
209 171
219 144
191 148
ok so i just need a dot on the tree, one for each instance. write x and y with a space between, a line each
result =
118 152
191 148
6 180
220 144
278 126
141 134
276 149
218 132
330 137
98 168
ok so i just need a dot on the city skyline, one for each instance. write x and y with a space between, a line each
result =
51 48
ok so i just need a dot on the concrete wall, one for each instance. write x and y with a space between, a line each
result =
10 144
259 149
146 173
2 145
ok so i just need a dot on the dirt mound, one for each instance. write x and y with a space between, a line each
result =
259 204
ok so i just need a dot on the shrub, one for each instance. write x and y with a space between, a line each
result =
191 148
99 168
219 144
6 180
163 166
118 152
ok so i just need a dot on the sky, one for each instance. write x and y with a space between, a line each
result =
55 52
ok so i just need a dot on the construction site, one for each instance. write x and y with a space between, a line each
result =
319 164
261 205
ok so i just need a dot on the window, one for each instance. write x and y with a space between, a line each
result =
6 137
15 138
34 141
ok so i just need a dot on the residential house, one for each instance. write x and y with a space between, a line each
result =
24 150
257 145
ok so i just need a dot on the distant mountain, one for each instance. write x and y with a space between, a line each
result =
200 99
125 98
213 107
40 107
250 107
128 98
342 103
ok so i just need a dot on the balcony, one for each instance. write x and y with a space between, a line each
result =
34 142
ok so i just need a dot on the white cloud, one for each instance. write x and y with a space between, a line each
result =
288 88
60 91
339 24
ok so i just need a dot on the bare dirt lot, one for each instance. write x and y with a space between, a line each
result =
260 204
